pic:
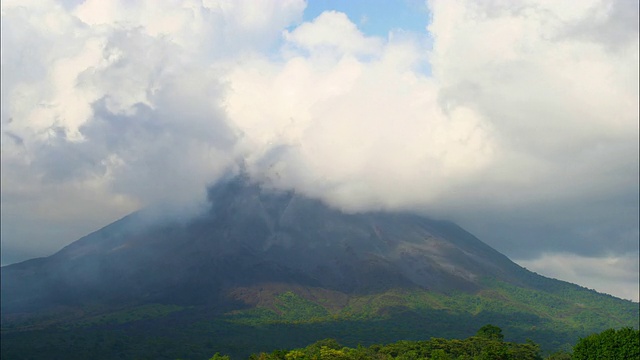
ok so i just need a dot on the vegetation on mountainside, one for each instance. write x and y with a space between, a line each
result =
553 320
293 318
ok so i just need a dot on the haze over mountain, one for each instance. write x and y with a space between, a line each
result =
250 236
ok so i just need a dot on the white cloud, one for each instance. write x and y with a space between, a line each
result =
332 31
350 129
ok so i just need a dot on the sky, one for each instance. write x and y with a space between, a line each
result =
518 120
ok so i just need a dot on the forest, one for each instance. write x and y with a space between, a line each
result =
487 344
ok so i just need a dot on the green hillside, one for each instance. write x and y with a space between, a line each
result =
293 317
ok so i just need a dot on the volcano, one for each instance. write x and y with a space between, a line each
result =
264 257
251 236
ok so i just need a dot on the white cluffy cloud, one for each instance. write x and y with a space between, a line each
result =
350 126
517 119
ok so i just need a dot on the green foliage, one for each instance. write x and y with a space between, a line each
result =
568 305
295 308
490 332
559 355
475 347
217 356
609 344
144 312
287 307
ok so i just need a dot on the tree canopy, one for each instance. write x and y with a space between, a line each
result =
609 344
490 332
488 344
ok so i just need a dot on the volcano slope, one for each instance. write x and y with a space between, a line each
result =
263 269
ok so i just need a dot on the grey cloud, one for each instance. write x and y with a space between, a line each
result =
612 274
523 234
19 141
614 25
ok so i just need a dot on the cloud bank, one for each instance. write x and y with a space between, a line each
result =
517 120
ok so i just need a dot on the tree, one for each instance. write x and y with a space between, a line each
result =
609 344
217 356
559 355
440 354
295 355
327 353
490 332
